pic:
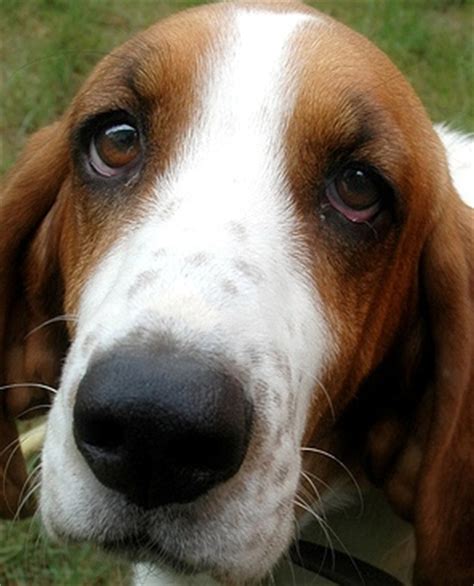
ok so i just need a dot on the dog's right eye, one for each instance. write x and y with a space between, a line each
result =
115 149
357 193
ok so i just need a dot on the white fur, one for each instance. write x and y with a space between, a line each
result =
460 151
225 199
147 575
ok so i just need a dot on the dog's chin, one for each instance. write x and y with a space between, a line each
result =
141 549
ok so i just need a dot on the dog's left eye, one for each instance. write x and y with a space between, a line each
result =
114 149
357 193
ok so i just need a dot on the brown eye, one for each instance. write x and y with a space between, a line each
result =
114 149
357 193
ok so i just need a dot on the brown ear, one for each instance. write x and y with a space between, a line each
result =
444 506
30 294
423 453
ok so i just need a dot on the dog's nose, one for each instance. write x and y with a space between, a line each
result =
161 428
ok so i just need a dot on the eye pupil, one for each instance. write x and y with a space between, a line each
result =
358 193
357 189
114 149
118 145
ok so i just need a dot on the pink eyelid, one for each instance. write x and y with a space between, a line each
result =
353 215
99 166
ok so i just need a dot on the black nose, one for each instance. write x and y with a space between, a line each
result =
160 427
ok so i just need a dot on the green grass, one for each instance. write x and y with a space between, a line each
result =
28 559
47 48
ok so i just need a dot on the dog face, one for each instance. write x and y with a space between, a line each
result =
236 229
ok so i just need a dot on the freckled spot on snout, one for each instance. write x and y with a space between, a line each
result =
249 271
254 356
229 287
88 343
284 508
239 231
198 259
168 209
260 389
280 435
276 399
159 253
143 280
282 473
282 365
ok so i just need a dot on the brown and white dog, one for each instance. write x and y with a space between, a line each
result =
251 234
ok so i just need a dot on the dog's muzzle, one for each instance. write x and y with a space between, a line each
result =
162 427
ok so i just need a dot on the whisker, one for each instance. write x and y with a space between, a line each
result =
14 448
326 485
315 490
286 555
324 527
7 466
344 467
316 380
32 385
25 497
329 400
35 408
32 441
53 320
11 444
341 543
18 440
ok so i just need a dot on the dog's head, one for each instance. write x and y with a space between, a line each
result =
248 224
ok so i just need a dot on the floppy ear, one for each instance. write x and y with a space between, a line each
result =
30 294
423 453
444 505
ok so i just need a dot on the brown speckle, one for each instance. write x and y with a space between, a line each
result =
143 280
261 389
251 272
282 473
159 253
279 435
255 356
282 365
229 287
238 230
88 343
276 399
168 210
198 259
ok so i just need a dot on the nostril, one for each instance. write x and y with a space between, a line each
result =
100 432
211 453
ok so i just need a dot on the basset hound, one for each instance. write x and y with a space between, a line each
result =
241 255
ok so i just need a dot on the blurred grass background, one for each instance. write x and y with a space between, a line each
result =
46 49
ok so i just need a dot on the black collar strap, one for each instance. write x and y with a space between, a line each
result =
339 567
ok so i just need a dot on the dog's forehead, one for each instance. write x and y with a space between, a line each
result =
175 57
169 65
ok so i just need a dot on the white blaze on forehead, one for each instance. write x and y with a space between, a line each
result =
251 92
235 145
